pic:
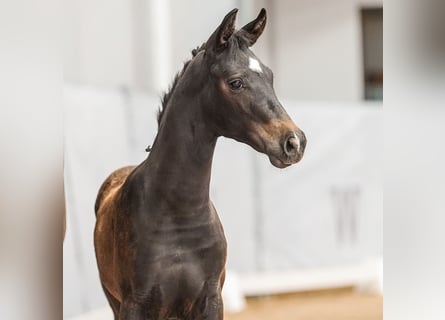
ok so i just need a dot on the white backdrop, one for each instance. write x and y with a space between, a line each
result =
325 211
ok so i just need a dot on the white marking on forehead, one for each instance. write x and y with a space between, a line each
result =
254 65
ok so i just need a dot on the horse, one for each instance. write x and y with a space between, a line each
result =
159 243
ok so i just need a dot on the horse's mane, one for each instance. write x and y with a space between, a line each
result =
238 41
167 95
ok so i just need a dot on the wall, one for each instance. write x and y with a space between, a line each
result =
313 46
98 43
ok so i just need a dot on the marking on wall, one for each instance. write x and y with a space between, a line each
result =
345 205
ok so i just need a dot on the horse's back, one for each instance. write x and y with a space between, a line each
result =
111 185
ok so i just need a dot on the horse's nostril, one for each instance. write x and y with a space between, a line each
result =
292 146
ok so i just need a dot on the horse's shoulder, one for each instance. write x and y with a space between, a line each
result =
111 184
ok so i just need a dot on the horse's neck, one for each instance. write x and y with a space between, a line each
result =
180 162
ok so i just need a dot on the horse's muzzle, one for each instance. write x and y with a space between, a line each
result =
292 150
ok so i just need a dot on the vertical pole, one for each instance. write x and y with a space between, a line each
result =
259 235
246 11
152 44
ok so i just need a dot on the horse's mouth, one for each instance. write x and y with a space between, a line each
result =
276 162
284 161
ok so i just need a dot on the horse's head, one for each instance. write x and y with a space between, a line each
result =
241 99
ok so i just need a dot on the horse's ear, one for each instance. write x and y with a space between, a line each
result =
218 41
253 30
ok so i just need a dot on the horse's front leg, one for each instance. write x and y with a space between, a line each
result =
213 308
131 310
216 310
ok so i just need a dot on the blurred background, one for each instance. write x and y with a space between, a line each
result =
304 242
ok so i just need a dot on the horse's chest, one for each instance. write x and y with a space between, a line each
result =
200 249
181 257
181 266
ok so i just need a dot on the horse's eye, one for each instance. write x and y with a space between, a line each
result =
236 84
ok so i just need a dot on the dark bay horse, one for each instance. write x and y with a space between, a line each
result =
159 243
